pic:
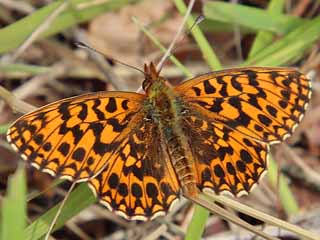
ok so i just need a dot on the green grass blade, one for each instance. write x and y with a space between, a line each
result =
250 17
24 68
264 38
79 199
286 197
202 42
14 35
216 26
13 210
289 47
197 223
4 128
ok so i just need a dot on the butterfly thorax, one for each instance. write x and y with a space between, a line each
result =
166 110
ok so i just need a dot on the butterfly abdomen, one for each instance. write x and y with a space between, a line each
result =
167 114
182 163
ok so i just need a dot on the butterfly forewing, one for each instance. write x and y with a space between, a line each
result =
74 138
140 182
263 103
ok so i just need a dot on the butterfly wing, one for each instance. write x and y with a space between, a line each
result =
139 183
233 115
262 103
226 160
75 137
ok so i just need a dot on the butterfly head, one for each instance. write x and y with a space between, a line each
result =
151 76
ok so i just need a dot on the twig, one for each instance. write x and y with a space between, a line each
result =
15 103
213 207
20 6
36 82
78 231
300 8
59 211
156 233
92 3
13 99
177 35
308 171
260 215
237 36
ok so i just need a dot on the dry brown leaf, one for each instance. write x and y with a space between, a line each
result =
116 35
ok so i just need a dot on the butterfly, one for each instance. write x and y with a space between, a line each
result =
139 152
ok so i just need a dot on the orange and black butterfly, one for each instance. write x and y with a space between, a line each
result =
139 152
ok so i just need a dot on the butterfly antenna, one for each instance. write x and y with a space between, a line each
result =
53 223
85 46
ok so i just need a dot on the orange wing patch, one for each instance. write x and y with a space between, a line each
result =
73 138
139 183
265 104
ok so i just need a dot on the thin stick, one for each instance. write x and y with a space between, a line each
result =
59 211
15 103
309 172
18 6
214 208
260 215
177 35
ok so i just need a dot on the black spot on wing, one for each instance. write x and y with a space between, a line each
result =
230 168
235 102
252 75
218 171
47 147
64 148
79 154
264 119
236 84
272 110
113 181
124 104
217 105
197 91
64 111
245 156
38 139
123 189
84 111
100 115
283 104
136 190
111 107
208 88
117 127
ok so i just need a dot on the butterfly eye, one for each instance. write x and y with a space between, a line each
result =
146 84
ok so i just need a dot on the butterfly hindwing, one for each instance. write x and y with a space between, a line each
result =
139 183
263 103
226 160
74 137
